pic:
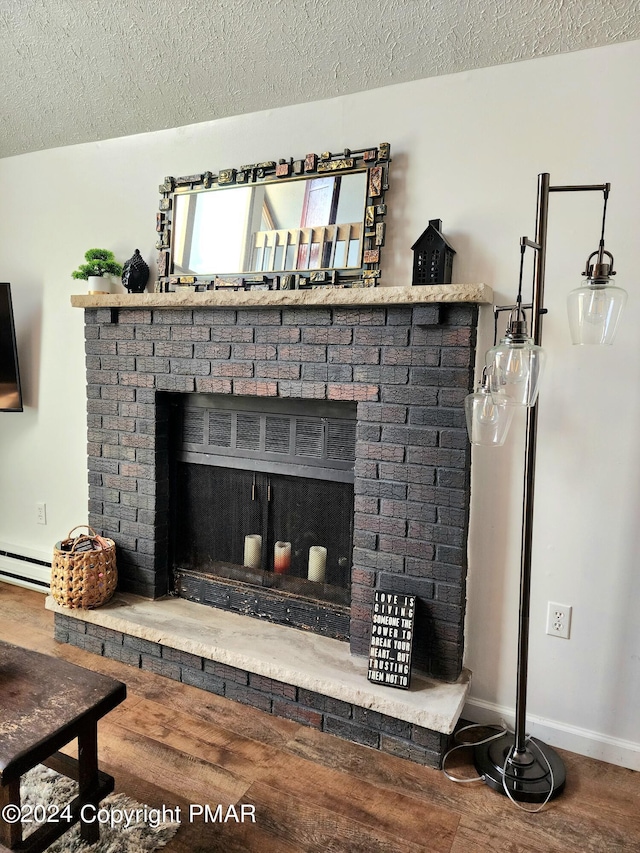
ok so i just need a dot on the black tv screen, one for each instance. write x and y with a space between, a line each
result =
10 394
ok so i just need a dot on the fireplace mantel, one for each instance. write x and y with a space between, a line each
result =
320 296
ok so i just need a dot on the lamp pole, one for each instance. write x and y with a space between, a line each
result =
531 436
524 767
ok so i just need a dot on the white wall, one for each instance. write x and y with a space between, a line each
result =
466 149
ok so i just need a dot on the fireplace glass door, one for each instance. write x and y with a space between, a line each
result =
272 530
262 496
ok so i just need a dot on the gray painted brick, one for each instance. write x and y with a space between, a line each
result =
173 317
407 547
399 315
215 317
333 335
326 704
302 352
95 346
273 370
152 333
116 332
432 740
353 355
270 685
190 367
277 335
346 729
426 315
117 362
409 395
381 374
381 722
410 751
293 711
306 316
259 317
228 673
214 350
175 382
437 571
116 393
255 352
381 413
207 385
190 333
390 336
139 645
302 390
183 658
225 335
60 633
327 372
247 696
376 560
459 315
160 666
135 349
359 316
86 642
134 315
380 488
406 585
203 680
173 349
231 369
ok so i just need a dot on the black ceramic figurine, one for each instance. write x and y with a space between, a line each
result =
135 273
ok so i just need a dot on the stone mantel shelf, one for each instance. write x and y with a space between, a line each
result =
321 296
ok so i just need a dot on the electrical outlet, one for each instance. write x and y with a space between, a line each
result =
41 510
559 620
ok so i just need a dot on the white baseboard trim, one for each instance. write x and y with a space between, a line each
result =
623 753
25 569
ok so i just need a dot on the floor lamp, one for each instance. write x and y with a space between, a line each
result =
515 764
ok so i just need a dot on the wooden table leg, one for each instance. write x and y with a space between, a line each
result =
88 779
10 833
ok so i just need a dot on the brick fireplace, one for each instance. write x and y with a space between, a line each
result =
404 358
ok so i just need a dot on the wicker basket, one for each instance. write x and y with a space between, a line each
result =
84 579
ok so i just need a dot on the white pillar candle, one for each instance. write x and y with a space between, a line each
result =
253 550
282 557
317 563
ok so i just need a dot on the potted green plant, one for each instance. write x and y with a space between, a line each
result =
99 262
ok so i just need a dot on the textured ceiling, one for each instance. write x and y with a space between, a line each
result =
82 70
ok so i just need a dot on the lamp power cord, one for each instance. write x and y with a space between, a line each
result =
501 731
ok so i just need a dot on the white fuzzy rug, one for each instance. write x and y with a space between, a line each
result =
43 787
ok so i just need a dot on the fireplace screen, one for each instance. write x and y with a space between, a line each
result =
265 497
282 532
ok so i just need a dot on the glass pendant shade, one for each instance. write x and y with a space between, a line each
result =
488 417
514 367
594 310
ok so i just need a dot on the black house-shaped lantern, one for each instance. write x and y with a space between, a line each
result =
432 256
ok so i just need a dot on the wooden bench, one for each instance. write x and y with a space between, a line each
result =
44 704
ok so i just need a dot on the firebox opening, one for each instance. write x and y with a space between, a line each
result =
262 507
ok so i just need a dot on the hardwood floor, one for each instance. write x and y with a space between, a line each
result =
171 745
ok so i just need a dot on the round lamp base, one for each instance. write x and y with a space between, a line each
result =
528 777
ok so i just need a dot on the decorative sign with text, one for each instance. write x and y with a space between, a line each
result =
391 639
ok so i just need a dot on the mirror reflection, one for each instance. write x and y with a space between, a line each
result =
302 224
